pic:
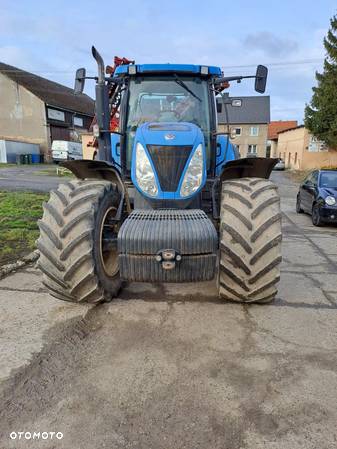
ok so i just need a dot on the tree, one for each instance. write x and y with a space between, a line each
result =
321 113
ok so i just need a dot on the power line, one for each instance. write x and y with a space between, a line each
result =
271 64
278 64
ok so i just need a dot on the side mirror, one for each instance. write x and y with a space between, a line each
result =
261 79
79 81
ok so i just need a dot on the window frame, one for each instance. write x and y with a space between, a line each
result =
251 131
252 145
78 118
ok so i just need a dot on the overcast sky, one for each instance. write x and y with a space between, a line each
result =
53 38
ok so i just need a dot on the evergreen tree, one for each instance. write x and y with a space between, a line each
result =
321 113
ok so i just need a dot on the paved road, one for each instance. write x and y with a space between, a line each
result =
172 367
28 178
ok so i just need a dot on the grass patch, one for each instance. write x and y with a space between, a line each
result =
5 165
19 212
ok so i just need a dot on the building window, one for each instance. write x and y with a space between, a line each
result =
252 149
254 131
54 114
238 131
78 121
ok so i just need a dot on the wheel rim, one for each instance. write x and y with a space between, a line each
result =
109 257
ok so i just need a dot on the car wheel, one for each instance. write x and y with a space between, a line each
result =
299 209
315 216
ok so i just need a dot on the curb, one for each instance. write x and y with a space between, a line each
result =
9 268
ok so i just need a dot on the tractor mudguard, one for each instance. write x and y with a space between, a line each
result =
89 169
257 167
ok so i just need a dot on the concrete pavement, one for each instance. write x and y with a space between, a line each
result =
170 367
28 178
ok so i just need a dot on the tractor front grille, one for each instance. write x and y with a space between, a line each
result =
169 162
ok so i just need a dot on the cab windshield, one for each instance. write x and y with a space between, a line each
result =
180 99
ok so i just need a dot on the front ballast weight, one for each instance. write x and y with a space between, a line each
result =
167 246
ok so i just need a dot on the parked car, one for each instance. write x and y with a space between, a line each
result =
63 150
280 165
318 196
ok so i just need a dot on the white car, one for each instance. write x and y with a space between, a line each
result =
63 150
280 165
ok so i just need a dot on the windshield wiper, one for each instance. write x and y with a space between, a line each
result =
182 84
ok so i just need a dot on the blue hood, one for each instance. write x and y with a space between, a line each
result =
332 191
169 147
166 133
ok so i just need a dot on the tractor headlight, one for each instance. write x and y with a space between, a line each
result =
145 177
330 200
194 173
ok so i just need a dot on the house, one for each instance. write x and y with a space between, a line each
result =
36 110
302 151
273 129
248 123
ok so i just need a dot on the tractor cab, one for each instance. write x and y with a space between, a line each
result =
168 128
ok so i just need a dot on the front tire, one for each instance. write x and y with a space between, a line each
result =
315 216
299 209
250 240
76 262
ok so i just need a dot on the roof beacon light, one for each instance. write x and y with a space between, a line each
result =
132 70
204 70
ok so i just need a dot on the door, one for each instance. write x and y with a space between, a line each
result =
306 191
314 190
59 133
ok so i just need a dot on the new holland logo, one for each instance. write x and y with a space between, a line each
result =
169 136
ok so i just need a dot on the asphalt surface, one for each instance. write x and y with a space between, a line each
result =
28 178
172 367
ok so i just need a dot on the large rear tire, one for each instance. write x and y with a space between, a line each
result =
77 223
250 240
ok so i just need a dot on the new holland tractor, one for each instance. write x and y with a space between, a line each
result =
168 199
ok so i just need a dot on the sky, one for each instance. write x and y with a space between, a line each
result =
54 38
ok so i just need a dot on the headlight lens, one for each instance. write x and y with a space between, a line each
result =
193 176
145 177
330 200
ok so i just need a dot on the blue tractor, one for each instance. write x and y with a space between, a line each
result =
168 199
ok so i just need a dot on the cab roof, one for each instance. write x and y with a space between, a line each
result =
184 69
